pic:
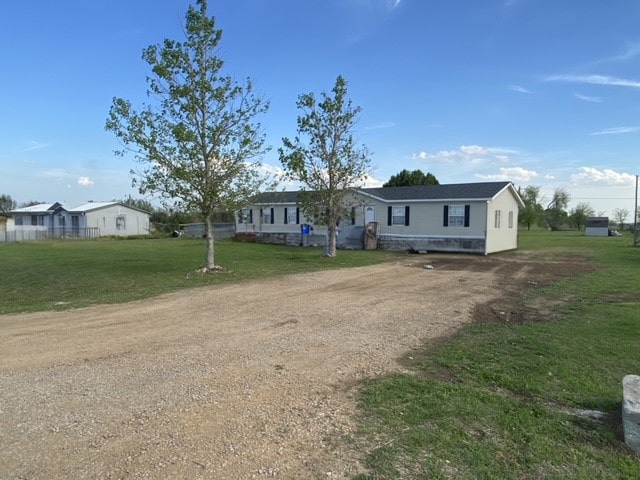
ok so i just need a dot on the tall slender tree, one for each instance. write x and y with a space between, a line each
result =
620 216
199 140
324 157
556 214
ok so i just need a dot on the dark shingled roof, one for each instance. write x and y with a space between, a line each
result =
458 191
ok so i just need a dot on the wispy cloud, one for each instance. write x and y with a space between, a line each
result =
594 80
617 131
33 145
56 174
631 50
380 126
587 98
519 89
515 174
393 4
593 176
384 4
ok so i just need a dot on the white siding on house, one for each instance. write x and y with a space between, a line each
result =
118 220
503 235
421 221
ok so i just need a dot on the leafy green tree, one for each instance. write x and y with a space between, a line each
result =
406 179
7 203
532 212
327 161
198 141
555 213
578 215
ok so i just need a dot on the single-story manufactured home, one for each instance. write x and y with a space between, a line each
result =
88 220
469 217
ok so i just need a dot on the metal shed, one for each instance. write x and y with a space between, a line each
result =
597 227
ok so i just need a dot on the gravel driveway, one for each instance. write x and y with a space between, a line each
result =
254 380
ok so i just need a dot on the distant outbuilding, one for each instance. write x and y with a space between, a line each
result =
597 227
88 220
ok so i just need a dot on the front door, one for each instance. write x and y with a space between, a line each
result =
369 214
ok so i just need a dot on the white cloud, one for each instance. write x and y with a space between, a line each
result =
474 150
594 80
371 182
593 176
514 174
469 154
519 89
588 98
616 131
85 182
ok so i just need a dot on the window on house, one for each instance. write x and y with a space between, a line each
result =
291 216
497 219
353 215
510 219
267 215
398 216
120 222
34 220
19 220
245 216
456 215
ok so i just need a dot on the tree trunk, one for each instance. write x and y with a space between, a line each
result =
209 263
332 233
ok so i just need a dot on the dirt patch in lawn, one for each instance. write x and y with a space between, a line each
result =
246 381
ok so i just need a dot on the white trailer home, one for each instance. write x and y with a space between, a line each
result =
471 217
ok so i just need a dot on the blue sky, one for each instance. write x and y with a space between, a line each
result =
538 92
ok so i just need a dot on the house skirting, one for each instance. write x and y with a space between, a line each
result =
291 239
436 244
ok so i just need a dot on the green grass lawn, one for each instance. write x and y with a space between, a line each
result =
492 401
69 274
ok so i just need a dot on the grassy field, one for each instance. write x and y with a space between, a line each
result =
499 400
69 274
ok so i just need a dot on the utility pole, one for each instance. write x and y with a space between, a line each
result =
636 234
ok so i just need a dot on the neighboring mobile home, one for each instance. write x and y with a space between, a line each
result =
471 217
88 220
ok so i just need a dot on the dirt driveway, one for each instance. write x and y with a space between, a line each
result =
245 381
